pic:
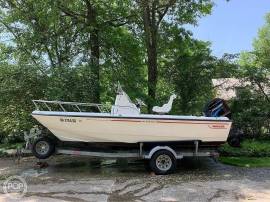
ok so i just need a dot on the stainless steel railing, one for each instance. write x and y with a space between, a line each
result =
49 105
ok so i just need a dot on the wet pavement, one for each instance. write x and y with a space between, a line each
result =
82 179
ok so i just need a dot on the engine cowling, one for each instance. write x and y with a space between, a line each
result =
217 108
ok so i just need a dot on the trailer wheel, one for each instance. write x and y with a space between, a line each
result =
163 162
43 148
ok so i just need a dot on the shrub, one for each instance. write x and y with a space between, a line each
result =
249 148
250 114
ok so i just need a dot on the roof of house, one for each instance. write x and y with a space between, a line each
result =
226 88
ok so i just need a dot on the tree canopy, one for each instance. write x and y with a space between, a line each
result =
79 50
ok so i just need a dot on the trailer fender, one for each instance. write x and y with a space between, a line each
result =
157 148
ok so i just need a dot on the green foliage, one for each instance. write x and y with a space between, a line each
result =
262 45
188 69
249 148
49 55
251 110
18 86
249 162
8 146
251 114
156 13
123 62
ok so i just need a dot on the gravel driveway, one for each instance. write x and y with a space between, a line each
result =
82 179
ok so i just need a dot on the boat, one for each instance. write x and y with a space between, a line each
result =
122 131
124 122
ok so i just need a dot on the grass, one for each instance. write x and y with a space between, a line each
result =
252 153
249 148
250 162
11 146
4 147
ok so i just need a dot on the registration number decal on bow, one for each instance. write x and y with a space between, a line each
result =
68 120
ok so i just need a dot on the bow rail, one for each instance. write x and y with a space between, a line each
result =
68 106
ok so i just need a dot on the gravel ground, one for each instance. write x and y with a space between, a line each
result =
82 179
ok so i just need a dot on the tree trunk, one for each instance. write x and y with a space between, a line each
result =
95 69
150 30
94 52
152 74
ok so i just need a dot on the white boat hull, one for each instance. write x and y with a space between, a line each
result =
96 127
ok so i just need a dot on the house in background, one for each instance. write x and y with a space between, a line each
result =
229 88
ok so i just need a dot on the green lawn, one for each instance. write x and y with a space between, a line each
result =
249 148
4 147
252 153
243 161
11 146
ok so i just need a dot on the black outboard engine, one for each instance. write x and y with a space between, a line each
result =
217 108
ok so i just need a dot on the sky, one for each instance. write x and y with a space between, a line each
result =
233 25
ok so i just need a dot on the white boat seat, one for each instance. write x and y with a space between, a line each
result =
166 108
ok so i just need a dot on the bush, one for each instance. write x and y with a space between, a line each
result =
250 114
2 136
14 138
249 148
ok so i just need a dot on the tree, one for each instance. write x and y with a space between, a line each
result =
252 110
51 40
256 64
187 67
63 34
174 12
80 49
94 18
18 86
86 13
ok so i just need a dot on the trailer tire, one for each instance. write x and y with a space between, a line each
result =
43 148
163 162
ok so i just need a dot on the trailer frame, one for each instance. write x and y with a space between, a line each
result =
140 153
161 156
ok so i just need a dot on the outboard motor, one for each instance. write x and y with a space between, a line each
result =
217 108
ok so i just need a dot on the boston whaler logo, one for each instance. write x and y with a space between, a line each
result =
217 126
68 120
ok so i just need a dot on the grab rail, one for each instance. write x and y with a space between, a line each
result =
46 103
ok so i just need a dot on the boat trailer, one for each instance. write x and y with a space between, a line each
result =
162 157
141 154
